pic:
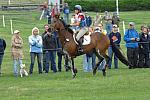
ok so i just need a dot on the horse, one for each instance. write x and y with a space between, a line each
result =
98 45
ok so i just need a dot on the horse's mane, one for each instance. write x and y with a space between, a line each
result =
67 27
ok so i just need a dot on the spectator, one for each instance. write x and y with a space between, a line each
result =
50 48
98 28
46 10
131 38
16 49
148 29
108 22
46 27
2 49
87 60
115 38
74 28
144 48
35 42
88 19
115 19
66 12
97 20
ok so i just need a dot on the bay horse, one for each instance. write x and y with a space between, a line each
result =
98 45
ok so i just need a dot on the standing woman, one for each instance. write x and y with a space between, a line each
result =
16 49
35 42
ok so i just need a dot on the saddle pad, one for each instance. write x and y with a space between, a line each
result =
86 40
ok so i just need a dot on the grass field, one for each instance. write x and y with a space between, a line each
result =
121 84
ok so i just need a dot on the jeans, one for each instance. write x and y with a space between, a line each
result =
44 60
16 61
87 63
39 60
66 18
1 59
108 28
59 61
51 56
110 54
93 61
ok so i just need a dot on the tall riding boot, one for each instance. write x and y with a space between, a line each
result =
80 49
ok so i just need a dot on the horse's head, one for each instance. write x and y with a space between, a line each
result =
58 23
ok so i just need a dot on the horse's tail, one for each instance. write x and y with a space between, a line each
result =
119 53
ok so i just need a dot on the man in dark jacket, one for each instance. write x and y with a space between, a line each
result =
50 50
2 49
115 38
144 49
46 27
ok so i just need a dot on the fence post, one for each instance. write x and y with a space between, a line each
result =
4 21
123 27
11 26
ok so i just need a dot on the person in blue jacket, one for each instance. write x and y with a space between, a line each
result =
35 42
131 38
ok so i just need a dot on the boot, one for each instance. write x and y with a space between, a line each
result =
80 48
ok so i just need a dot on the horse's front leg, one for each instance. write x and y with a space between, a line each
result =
74 70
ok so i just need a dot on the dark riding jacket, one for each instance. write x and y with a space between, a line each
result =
144 44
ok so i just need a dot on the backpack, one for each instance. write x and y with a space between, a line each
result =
88 20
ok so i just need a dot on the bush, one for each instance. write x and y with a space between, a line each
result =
110 5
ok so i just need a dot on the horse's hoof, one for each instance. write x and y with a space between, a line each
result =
104 72
74 76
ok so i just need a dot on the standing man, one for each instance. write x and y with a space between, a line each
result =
144 49
2 49
46 27
50 50
115 19
46 10
115 38
108 22
66 13
131 38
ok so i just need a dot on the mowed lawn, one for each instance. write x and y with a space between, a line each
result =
121 84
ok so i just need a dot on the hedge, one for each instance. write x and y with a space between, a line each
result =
110 5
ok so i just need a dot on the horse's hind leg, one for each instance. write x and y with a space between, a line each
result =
107 58
100 58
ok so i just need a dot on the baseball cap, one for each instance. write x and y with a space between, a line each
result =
115 26
131 23
16 31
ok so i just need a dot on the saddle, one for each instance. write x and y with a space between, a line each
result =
86 38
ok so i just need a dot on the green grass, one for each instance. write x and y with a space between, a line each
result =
121 84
